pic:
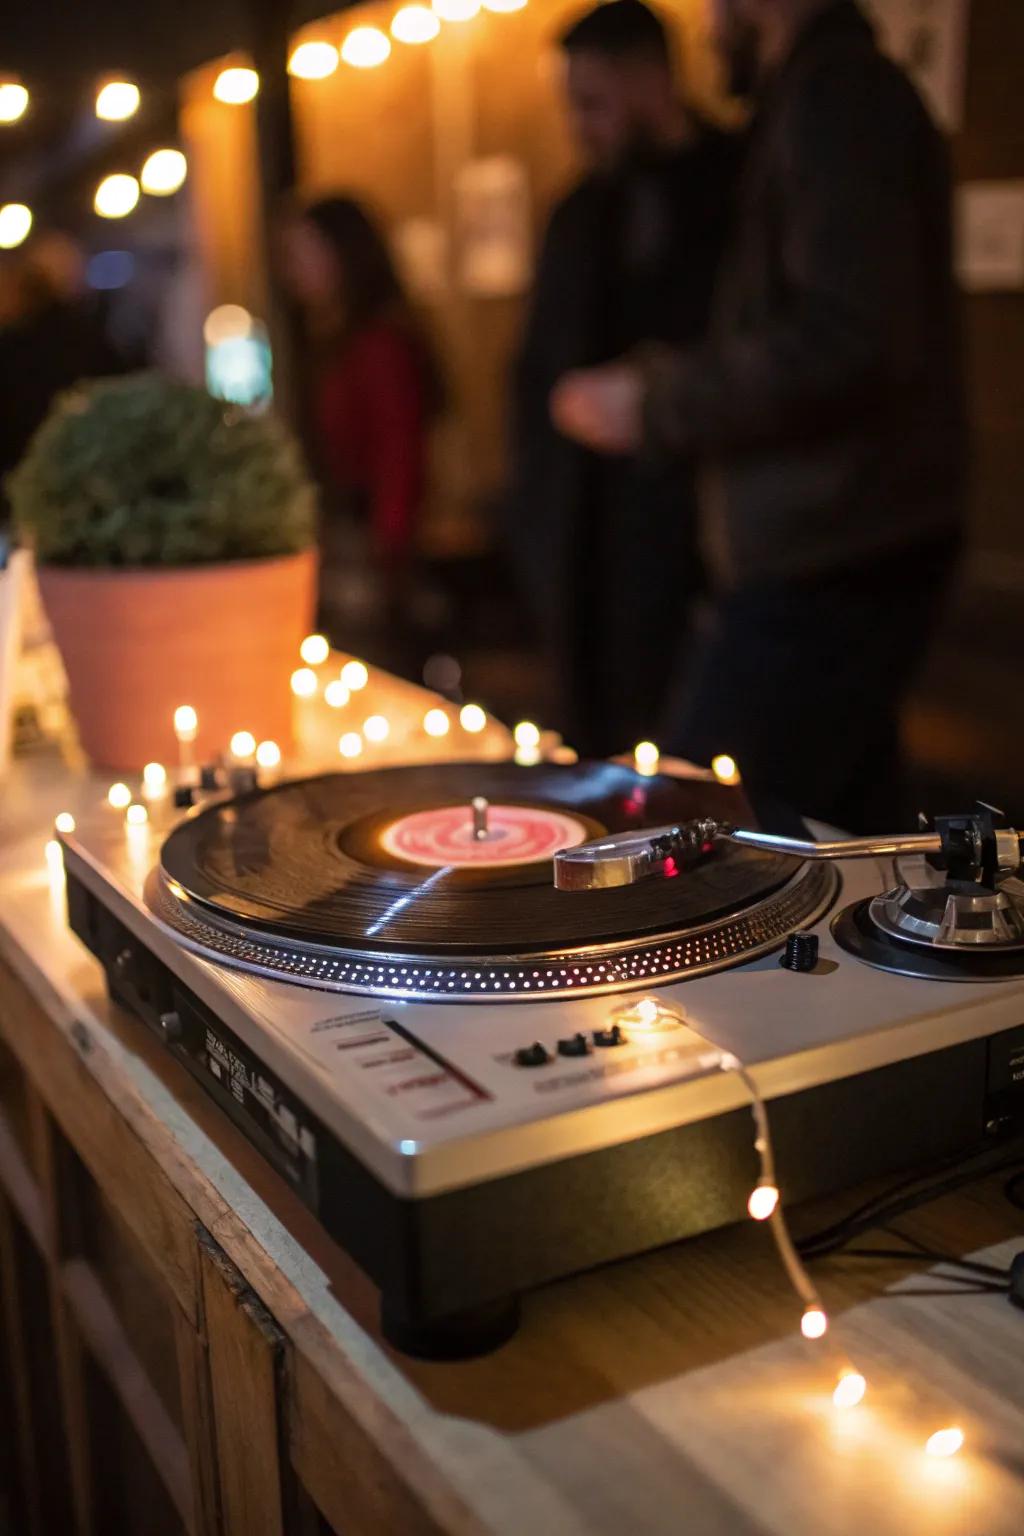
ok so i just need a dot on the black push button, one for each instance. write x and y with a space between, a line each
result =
611 1036
535 1055
575 1045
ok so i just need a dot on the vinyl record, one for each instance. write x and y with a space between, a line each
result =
387 861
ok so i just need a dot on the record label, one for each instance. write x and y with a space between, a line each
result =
445 837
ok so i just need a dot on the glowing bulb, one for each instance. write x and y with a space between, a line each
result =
376 728
945 1442
314 650
314 60
415 24
304 683
117 100
526 734
850 1389
268 754
472 719
65 822
186 722
646 756
235 86
456 10
226 323
13 101
354 675
365 47
436 722
336 694
763 1201
119 796
724 769
351 744
136 815
154 776
504 7
243 744
814 1323
116 196
15 223
163 172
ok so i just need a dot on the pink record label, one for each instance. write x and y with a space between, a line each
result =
515 834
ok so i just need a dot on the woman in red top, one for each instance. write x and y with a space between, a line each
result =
372 389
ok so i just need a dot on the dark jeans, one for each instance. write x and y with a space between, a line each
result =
803 684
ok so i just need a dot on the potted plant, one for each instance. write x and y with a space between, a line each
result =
174 541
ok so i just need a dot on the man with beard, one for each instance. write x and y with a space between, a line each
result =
606 548
826 404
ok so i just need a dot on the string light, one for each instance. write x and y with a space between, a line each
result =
164 172
336 694
763 1200
15 223
136 815
850 1389
154 777
365 47
456 10
236 85
186 722
268 754
13 101
724 769
315 650
351 744
376 728
304 683
646 757
814 1323
314 60
117 100
243 744
472 719
415 24
436 723
65 822
945 1442
526 734
116 196
119 796
354 675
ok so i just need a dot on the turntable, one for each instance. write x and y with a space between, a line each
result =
476 1015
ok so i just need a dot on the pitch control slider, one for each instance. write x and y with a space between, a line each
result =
967 847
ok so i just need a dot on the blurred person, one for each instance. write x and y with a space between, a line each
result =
372 386
606 550
51 335
827 405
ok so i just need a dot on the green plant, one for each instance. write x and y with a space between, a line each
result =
143 470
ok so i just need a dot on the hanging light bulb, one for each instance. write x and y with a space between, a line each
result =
117 100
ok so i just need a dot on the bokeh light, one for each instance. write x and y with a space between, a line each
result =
116 196
13 101
236 85
15 223
415 24
365 47
314 60
164 172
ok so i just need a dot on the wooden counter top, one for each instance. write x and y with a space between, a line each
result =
671 1393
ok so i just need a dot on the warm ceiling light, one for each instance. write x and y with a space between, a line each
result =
415 24
365 47
313 61
117 100
456 10
13 101
164 172
503 7
15 223
236 85
226 323
116 196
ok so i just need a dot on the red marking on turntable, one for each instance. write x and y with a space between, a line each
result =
516 834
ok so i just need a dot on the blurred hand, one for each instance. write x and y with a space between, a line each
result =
601 408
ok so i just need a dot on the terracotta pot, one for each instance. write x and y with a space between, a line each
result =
137 643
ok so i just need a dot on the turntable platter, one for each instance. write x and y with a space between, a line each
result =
376 881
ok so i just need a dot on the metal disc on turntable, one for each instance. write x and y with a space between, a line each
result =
390 882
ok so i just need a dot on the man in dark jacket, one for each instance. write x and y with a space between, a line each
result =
606 548
827 407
